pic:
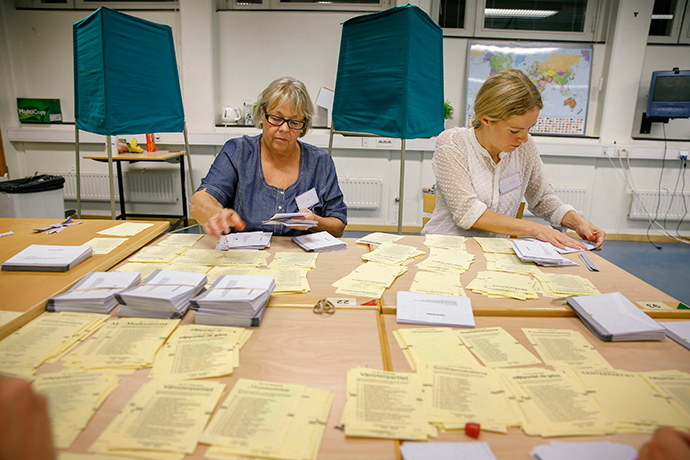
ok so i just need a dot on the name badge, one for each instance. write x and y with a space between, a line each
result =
307 199
510 183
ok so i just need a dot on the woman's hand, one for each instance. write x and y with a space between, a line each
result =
584 228
666 444
310 216
220 223
555 237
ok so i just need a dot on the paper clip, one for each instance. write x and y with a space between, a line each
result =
324 307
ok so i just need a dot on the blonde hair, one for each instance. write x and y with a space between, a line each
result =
505 94
278 93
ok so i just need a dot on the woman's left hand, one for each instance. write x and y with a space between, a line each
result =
310 216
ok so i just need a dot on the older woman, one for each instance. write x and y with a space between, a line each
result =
253 178
483 172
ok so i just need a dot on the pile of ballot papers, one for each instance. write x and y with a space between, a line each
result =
47 258
94 293
245 240
614 318
287 219
164 294
319 242
234 300
539 252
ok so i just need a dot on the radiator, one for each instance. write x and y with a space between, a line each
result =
574 196
674 210
361 193
139 187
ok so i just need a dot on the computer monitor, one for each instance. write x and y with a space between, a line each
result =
669 94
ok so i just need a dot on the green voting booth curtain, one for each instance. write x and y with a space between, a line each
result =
390 75
125 75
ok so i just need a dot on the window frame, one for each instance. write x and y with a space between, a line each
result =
680 22
94 5
276 5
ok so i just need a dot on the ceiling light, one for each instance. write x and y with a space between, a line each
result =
512 13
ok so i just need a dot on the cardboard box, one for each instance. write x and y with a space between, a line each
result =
39 110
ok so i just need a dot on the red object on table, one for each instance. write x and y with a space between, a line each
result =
472 430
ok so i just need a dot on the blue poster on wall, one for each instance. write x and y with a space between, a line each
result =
560 71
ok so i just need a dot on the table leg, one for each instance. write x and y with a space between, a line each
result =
184 190
121 189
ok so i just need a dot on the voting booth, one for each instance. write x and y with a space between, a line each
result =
390 78
125 80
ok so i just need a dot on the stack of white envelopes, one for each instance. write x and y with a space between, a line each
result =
614 318
319 242
245 240
164 294
94 293
540 253
234 300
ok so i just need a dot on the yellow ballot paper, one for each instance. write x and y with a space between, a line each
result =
447 284
304 434
269 419
198 351
500 284
144 268
378 238
433 345
565 349
383 404
393 254
162 417
127 343
447 261
7 316
509 263
216 272
180 239
631 401
445 241
554 403
674 385
496 348
294 260
288 280
104 245
455 395
157 254
564 285
125 229
243 258
45 338
192 256
495 245
73 398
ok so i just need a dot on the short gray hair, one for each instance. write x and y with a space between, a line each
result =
278 93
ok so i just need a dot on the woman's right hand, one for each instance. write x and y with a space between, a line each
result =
555 237
220 223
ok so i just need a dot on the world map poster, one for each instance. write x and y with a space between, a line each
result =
561 72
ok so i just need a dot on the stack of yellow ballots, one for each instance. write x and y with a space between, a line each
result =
503 285
564 285
393 254
290 271
289 425
45 339
495 245
198 351
369 280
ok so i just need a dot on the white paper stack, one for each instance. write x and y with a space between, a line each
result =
47 258
613 318
164 294
245 240
435 310
94 293
678 331
287 219
558 450
234 300
319 242
540 253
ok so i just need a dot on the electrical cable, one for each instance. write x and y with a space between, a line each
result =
684 165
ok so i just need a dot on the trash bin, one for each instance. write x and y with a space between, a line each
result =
38 196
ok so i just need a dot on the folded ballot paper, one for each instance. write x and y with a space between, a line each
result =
288 219
244 240
540 253
613 318
435 310
94 293
47 258
234 300
678 331
319 242
164 294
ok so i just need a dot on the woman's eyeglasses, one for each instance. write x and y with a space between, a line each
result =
278 121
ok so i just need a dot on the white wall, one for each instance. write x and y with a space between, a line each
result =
251 48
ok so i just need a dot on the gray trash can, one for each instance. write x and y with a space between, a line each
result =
37 196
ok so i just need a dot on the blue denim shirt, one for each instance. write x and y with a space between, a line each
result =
236 180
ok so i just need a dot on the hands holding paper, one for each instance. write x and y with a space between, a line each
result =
666 444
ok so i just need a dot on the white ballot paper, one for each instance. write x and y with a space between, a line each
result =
413 450
244 240
287 219
47 258
436 310
319 242
678 331
540 253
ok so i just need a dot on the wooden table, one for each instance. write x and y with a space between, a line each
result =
27 292
169 156
630 356
610 278
291 346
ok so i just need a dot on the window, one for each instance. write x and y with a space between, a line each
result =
339 5
95 4
667 21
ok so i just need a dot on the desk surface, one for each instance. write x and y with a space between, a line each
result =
291 346
27 292
630 356
610 278
158 155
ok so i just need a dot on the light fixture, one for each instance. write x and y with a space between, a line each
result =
514 13
667 17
